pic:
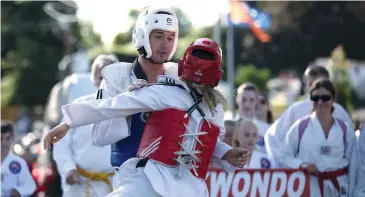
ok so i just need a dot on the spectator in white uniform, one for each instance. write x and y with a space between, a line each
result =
245 136
247 101
318 143
359 190
275 135
85 168
16 180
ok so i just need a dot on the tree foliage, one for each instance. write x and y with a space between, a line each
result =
338 66
86 36
30 53
32 46
249 73
303 31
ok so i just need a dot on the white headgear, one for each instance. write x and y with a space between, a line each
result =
150 19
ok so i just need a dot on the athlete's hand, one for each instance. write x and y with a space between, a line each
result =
15 193
139 84
54 135
73 177
310 167
237 157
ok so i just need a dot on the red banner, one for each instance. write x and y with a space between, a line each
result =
258 182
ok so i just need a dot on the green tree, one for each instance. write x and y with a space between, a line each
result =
32 46
338 67
249 73
125 38
184 22
86 36
30 53
122 39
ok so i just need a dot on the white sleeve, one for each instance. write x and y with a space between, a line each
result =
142 100
361 147
109 131
62 154
276 134
221 149
219 119
359 190
353 157
350 135
52 112
341 113
26 185
289 158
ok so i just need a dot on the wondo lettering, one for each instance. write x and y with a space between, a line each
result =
251 182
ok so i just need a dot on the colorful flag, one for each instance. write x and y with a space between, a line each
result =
240 13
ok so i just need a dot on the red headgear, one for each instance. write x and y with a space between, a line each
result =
202 62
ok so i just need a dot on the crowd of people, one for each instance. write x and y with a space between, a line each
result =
154 127
315 134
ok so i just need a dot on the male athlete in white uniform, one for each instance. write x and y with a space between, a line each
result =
155 37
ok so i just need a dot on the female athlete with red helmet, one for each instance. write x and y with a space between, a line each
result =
181 132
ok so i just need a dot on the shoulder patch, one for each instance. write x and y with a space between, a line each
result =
265 163
166 79
118 75
163 79
15 167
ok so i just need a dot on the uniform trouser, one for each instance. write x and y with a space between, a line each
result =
97 189
115 182
335 186
131 181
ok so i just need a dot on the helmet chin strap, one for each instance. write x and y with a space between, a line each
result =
143 52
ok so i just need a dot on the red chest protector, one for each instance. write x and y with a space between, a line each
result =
163 136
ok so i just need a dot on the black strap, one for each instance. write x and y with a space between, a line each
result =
99 95
197 97
142 163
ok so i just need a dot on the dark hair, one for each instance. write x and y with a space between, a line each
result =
7 126
270 118
316 71
230 123
326 84
247 86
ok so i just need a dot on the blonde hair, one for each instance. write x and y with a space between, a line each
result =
211 95
244 121
109 58
237 129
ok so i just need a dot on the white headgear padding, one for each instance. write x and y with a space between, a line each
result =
151 19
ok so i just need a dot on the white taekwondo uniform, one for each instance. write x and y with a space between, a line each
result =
76 152
275 135
163 175
15 175
309 144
